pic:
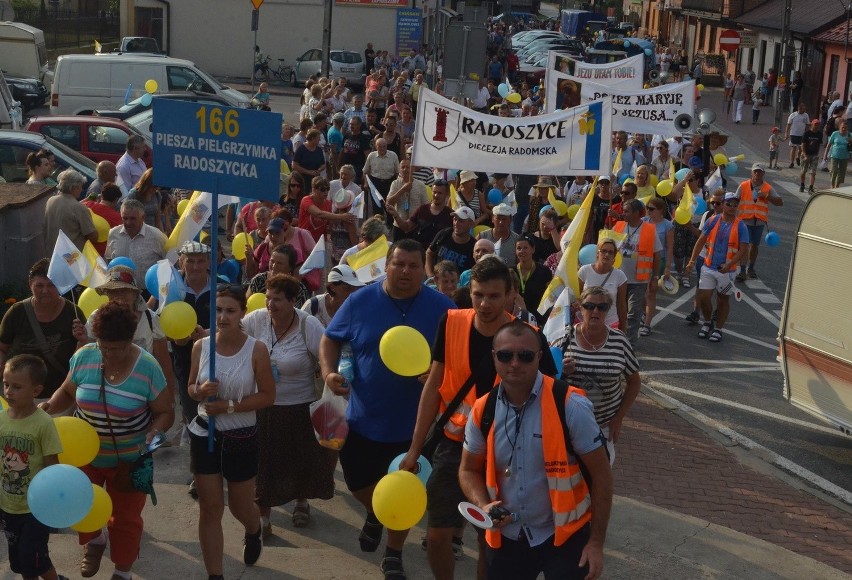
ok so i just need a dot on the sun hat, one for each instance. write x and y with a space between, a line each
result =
503 209
669 285
342 199
466 176
120 278
194 248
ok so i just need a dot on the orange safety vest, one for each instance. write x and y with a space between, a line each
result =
733 241
751 207
457 370
645 262
570 499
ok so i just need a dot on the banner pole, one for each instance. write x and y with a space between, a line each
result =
214 254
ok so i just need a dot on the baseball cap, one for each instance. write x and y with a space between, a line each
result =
464 213
758 167
731 195
503 209
338 117
345 274
815 122
194 248
774 129
466 176
604 178
275 225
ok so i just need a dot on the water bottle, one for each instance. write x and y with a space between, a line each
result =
346 366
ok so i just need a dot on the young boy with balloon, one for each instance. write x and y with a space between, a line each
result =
30 442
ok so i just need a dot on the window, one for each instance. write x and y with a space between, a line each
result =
107 140
13 167
66 134
832 72
184 79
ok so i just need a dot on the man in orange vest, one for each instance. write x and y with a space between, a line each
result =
755 195
462 351
549 473
725 238
640 258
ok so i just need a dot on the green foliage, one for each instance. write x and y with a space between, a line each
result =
24 4
715 61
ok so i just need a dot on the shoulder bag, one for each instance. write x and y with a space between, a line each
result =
38 333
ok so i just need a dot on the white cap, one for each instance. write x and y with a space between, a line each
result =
345 274
465 213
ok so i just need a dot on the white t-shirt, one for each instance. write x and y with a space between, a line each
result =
616 278
798 123
294 383
322 312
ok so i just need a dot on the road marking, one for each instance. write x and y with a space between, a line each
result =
662 312
752 410
792 188
774 458
767 298
701 360
705 371
778 313
761 310
771 346
756 285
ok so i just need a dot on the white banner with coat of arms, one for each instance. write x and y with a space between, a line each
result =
568 142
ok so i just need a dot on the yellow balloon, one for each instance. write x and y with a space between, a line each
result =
700 87
101 226
429 193
90 301
682 215
561 207
256 302
4 404
720 159
514 98
178 320
285 169
240 245
399 500
479 229
736 158
665 187
572 211
653 180
405 351
181 206
99 515
617 262
151 86
80 441
473 76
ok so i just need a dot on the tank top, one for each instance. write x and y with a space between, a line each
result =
236 380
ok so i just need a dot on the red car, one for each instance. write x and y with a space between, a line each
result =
98 138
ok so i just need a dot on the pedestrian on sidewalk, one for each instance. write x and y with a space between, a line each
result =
811 143
757 101
738 96
729 94
797 123
773 148
550 518
838 150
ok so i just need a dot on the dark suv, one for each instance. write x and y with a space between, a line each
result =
30 92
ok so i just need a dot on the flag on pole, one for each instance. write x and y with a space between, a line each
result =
357 208
98 47
672 171
559 317
99 274
369 263
316 259
565 275
616 165
170 285
374 193
68 266
195 216
714 182
633 168
455 203
511 201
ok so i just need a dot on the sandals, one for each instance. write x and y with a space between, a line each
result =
644 330
684 283
91 562
706 328
392 568
715 336
371 536
301 515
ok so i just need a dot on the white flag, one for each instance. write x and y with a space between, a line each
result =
316 259
357 208
714 181
195 216
374 193
68 267
170 285
560 317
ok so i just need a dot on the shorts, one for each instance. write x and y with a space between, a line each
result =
721 282
365 461
755 233
810 163
795 139
27 538
773 155
234 456
443 490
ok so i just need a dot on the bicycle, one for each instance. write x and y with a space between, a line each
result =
282 73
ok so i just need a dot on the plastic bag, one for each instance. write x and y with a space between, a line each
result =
823 163
328 416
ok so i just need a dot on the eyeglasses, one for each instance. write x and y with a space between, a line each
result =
524 356
715 203
602 306
607 252
652 208
731 203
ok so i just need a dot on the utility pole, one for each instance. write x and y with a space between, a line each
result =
788 55
326 38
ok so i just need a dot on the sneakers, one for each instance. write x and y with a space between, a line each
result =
791 166
644 330
811 189
740 276
252 547
692 317
392 568
91 561
752 275
801 188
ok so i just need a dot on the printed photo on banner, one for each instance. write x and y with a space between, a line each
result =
573 141
651 110
626 74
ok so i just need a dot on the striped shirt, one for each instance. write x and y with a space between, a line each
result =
127 403
602 373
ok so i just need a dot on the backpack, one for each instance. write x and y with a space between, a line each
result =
314 305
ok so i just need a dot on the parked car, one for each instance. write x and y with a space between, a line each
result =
98 138
31 93
136 106
143 123
138 44
342 63
11 114
16 145
527 37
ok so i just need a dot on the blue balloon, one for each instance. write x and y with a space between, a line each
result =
122 261
544 209
556 353
731 168
588 253
503 90
60 496
145 100
495 196
648 52
424 471
623 178
700 206
626 44
695 162
535 89
772 239
151 283
230 268
681 173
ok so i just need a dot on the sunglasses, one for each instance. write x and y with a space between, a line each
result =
524 356
602 306
731 203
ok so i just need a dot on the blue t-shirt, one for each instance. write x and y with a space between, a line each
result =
839 145
383 405
335 138
663 228
720 247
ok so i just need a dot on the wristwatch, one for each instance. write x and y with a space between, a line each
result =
230 407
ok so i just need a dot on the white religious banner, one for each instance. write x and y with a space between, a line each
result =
626 74
569 142
651 110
